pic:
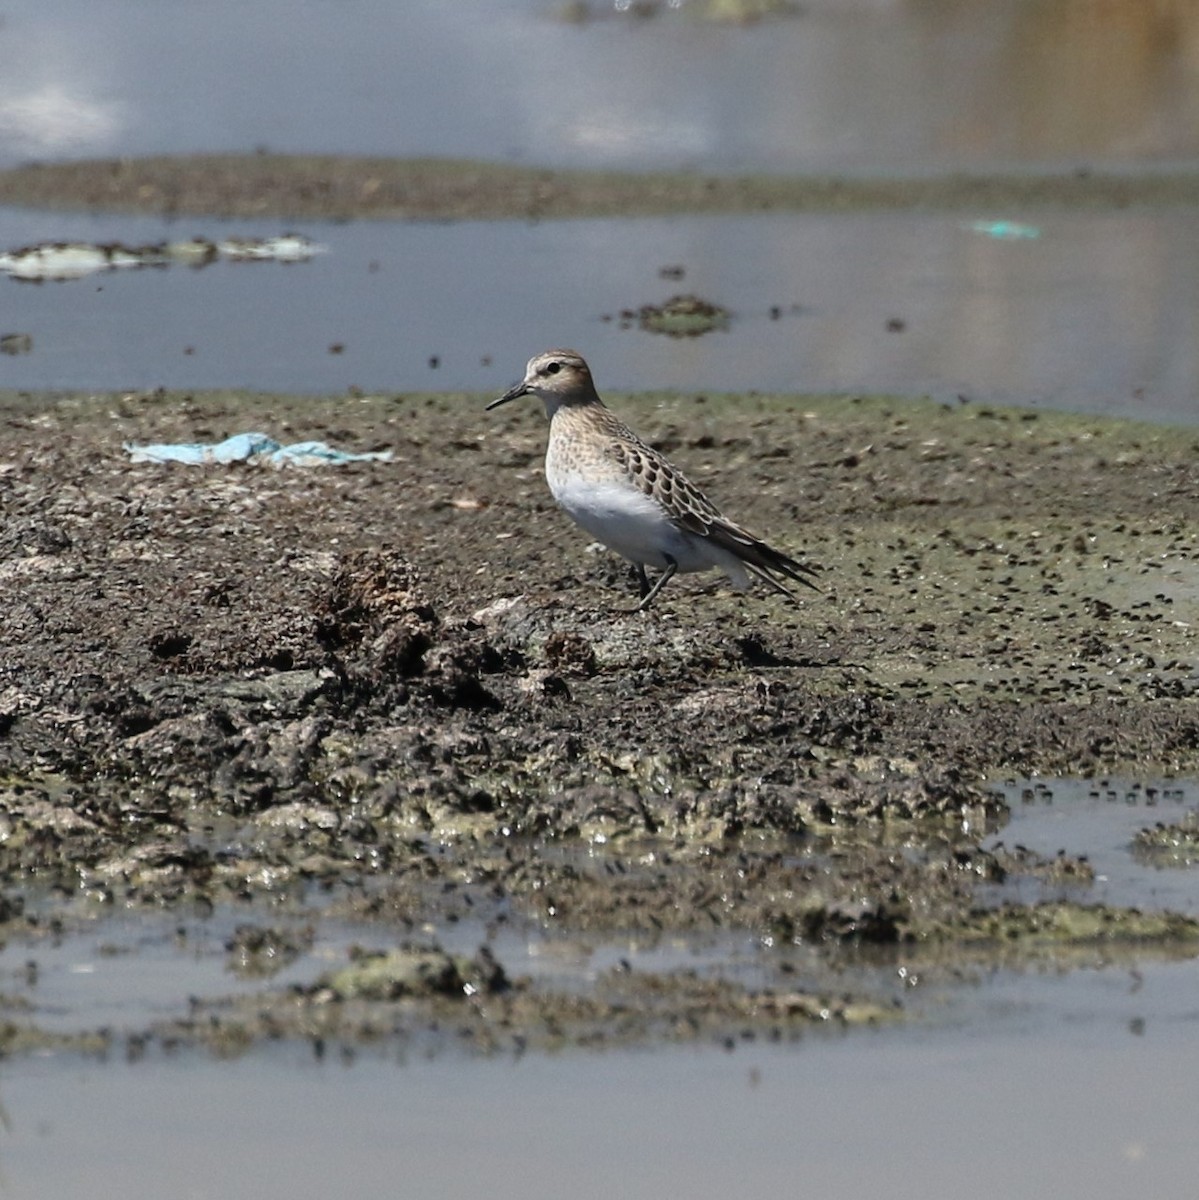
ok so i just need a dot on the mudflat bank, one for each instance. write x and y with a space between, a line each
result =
411 689
346 187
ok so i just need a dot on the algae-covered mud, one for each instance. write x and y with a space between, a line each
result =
316 186
408 699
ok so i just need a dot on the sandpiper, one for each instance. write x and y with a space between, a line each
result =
629 497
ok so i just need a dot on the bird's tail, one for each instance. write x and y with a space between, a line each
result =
765 561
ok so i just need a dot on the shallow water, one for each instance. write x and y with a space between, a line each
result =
1077 1082
1104 817
1091 1096
1093 315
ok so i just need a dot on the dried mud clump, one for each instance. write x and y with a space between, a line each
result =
386 641
374 600
375 620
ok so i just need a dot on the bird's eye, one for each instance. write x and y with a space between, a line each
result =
553 368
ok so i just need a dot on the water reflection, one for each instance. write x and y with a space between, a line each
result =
53 120
55 95
1090 77
858 85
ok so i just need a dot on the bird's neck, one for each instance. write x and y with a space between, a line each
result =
571 405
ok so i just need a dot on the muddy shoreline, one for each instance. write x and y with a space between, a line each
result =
343 188
409 696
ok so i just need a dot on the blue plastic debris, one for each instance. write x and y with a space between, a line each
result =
1008 231
250 447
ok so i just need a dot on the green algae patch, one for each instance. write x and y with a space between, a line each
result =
338 188
22 1039
1067 924
390 975
618 1008
683 317
1173 844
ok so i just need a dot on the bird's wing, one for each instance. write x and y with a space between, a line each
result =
685 504
689 509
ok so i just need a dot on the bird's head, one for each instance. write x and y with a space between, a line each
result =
557 377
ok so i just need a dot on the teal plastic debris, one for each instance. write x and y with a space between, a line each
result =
251 447
1007 231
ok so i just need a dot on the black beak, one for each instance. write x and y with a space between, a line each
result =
513 393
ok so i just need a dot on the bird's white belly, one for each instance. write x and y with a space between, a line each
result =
628 521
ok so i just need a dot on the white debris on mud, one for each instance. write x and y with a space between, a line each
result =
50 261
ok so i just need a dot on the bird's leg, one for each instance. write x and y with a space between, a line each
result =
648 599
642 581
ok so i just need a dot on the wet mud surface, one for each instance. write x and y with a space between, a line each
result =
408 698
333 187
